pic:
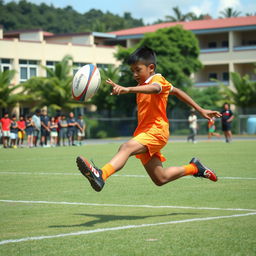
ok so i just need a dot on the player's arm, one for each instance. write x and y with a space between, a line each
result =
147 89
230 119
208 114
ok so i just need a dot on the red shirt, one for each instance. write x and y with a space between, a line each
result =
6 123
21 125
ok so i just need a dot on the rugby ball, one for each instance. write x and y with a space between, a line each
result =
86 82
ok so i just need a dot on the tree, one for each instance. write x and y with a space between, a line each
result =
24 15
8 97
193 16
244 93
208 98
229 12
103 100
53 91
178 15
177 54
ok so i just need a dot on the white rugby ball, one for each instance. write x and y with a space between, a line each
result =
86 82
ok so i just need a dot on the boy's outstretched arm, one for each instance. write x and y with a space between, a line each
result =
208 114
147 89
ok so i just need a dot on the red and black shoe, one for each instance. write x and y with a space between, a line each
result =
203 171
91 172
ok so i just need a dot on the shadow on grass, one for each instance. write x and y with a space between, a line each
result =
104 218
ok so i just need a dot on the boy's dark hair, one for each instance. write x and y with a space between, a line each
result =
143 54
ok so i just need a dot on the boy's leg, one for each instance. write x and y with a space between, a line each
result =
161 176
129 148
96 176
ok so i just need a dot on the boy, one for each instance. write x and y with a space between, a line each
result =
226 120
152 132
5 128
14 131
21 133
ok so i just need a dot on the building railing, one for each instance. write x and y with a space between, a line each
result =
208 84
214 50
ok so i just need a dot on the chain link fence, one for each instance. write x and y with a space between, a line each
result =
123 127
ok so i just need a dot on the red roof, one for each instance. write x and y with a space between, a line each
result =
192 25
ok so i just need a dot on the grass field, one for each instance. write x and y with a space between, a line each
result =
48 208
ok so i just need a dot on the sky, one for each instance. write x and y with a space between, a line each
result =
152 10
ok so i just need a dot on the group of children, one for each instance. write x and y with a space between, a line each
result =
38 128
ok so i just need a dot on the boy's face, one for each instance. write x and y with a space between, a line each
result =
141 72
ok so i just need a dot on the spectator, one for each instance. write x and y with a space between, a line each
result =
29 131
72 124
63 130
226 120
45 128
81 126
53 132
37 126
212 129
192 119
57 120
5 128
14 131
21 133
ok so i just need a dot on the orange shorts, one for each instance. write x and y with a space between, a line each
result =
154 144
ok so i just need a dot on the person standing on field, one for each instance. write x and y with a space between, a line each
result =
226 120
192 119
37 126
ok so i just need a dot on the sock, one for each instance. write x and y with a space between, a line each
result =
190 169
107 170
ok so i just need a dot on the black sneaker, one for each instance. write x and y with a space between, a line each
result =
91 172
203 171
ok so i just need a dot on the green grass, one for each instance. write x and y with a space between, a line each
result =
50 174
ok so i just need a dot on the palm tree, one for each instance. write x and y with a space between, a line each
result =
53 91
244 93
178 16
8 97
103 100
229 12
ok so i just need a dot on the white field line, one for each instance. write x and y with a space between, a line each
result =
127 205
87 232
115 175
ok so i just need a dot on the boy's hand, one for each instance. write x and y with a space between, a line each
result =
209 114
117 89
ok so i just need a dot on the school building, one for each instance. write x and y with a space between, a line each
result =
226 45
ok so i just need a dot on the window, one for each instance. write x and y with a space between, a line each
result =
50 65
5 64
224 43
212 76
212 44
77 65
225 76
28 69
103 66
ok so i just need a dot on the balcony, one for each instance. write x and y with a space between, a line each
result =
214 50
209 84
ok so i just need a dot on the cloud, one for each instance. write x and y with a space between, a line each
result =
204 7
234 4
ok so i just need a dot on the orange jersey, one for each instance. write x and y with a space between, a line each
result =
152 116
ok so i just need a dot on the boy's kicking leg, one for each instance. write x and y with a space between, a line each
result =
161 176
154 167
98 176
